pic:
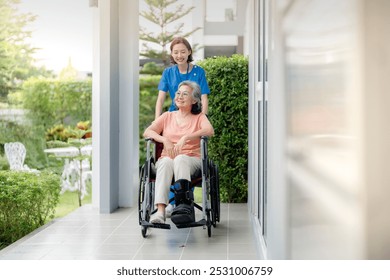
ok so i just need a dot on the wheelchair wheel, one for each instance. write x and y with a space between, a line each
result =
144 231
208 223
143 204
141 191
214 194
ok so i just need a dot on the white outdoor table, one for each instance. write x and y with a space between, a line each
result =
69 151
72 169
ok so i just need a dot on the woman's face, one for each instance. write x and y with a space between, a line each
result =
183 97
180 53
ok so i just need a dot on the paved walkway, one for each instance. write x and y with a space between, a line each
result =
87 235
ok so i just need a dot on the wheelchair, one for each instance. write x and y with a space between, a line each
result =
206 178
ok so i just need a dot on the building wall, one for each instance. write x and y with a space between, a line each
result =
318 141
266 158
219 36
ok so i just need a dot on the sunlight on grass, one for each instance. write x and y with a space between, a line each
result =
69 202
198 195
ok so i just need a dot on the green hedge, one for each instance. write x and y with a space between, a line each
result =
147 99
27 201
147 104
228 112
51 102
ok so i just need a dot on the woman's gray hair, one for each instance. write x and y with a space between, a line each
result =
196 95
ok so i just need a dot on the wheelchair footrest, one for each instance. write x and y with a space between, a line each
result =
194 224
162 226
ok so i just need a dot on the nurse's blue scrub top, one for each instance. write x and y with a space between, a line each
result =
171 78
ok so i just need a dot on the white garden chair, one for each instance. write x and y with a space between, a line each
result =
16 154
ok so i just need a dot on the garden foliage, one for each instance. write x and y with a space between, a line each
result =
147 103
27 201
48 103
11 131
228 113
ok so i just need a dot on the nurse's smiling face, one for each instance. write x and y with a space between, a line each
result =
180 53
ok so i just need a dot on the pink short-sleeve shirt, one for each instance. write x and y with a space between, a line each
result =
170 129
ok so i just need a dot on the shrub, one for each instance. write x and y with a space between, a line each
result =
59 132
147 104
147 99
228 112
152 68
27 201
3 162
52 102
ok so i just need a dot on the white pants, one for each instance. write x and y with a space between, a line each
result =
181 166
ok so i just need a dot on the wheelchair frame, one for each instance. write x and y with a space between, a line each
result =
210 191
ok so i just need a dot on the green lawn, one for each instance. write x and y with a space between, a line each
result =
198 195
69 202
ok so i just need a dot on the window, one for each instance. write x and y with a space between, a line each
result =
221 10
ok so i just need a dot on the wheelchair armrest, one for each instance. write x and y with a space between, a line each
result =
204 153
156 151
149 139
149 150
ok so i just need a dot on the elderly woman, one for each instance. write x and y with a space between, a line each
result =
180 132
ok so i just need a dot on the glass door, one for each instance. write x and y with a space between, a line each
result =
261 110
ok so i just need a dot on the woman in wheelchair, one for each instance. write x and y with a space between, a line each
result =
180 132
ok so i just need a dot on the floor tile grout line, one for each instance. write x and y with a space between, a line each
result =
185 244
139 248
40 232
101 244
113 231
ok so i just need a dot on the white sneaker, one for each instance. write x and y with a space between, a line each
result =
168 210
157 218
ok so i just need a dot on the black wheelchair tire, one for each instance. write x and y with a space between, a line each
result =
214 194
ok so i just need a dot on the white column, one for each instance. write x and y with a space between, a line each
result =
115 105
95 109
128 102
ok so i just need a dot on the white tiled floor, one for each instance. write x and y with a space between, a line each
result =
86 234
